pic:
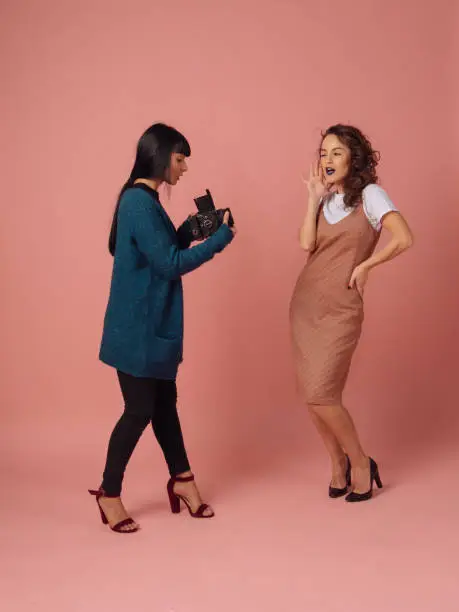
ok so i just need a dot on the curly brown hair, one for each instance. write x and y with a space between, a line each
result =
363 162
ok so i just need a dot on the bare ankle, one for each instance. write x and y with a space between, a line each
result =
361 462
339 460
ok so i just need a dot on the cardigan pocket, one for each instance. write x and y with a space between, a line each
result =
165 350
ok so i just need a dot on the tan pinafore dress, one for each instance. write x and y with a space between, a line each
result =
325 315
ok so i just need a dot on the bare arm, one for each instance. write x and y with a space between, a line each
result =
308 231
316 189
401 240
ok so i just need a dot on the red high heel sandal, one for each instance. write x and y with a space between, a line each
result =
119 526
174 499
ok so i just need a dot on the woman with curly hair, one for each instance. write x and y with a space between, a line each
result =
346 212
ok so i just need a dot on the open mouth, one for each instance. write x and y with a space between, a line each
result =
329 171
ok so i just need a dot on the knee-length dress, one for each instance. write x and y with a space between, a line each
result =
325 315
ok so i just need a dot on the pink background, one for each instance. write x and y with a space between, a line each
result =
251 84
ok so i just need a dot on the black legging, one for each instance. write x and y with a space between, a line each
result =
146 400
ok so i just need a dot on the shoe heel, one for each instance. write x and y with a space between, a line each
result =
97 494
102 516
374 471
175 504
174 500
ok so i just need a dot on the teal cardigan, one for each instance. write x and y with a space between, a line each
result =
143 325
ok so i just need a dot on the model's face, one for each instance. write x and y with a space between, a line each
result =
335 159
177 168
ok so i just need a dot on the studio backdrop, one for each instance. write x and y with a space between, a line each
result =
251 84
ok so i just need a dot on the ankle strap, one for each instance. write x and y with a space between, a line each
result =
100 493
183 478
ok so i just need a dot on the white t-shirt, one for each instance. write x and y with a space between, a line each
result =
376 204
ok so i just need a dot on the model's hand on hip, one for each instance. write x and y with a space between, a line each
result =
359 279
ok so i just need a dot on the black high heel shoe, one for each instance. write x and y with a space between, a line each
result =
333 492
374 477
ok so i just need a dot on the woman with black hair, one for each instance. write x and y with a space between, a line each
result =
347 210
143 326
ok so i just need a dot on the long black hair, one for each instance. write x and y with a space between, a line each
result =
152 161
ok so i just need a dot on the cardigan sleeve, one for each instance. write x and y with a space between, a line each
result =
154 241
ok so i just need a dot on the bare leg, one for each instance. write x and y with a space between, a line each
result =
340 423
337 454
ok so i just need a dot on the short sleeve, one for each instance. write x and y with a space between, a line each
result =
377 204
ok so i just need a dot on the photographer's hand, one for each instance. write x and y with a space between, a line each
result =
226 222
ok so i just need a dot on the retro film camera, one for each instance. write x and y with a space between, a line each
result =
208 219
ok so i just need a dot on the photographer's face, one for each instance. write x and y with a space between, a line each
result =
177 168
